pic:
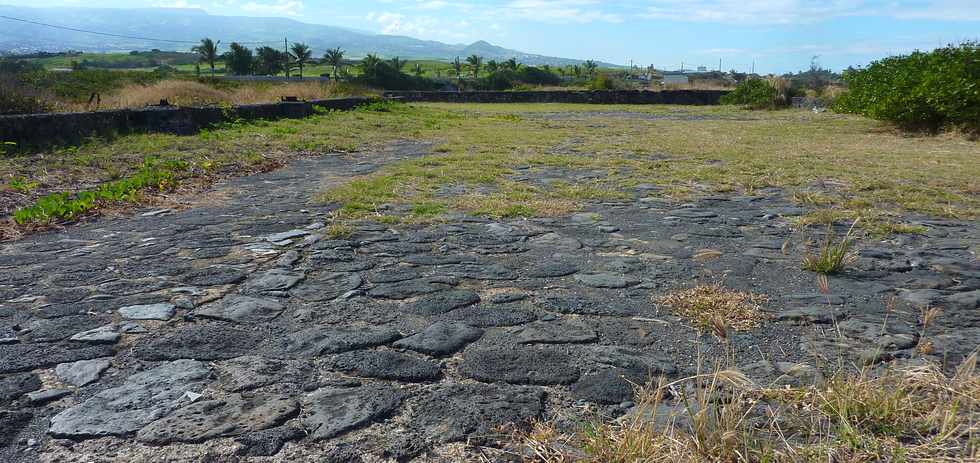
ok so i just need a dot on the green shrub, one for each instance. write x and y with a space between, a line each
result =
772 93
919 91
603 82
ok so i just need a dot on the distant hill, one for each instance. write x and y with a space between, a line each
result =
186 24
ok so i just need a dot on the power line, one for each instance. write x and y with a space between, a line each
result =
106 34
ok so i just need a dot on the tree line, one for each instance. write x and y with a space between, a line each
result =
241 60
265 61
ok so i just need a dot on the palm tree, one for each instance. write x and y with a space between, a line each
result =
397 63
207 52
475 62
492 66
511 64
590 67
301 54
370 64
458 68
334 58
577 70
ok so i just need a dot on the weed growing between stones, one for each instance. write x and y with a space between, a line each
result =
705 304
161 175
833 257
907 413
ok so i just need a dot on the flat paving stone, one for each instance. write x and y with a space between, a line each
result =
554 332
441 338
82 372
519 366
26 357
455 412
443 302
140 400
230 416
242 309
163 311
330 340
387 365
329 412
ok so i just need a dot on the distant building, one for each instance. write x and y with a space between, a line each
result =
675 78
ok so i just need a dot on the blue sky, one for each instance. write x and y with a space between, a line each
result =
778 35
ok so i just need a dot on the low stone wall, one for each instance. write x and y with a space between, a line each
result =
39 131
679 97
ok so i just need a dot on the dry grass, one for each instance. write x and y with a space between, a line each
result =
705 305
192 93
903 414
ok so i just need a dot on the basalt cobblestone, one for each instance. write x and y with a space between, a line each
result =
401 339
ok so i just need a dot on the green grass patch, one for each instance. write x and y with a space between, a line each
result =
160 175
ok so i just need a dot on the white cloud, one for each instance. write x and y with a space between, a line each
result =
564 11
425 27
279 8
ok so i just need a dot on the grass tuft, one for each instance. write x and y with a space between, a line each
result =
833 257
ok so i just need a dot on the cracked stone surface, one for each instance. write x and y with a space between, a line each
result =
239 328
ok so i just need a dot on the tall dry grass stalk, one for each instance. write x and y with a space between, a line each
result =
192 93
912 413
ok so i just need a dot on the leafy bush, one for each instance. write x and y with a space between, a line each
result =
17 97
920 91
604 82
772 93
506 79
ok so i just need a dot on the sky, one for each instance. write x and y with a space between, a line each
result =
775 36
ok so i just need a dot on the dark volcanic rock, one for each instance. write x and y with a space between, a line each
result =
387 365
441 338
274 280
24 357
11 424
582 305
326 286
404 289
142 399
211 341
554 332
605 280
453 412
215 276
443 302
485 316
519 365
250 372
267 442
242 309
812 315
82 372
231 416
329 412
16 385
330 340
552 270
608 386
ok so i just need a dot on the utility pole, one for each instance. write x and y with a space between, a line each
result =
753 66
719 64
285 49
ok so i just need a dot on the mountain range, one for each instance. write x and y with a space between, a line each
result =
175 28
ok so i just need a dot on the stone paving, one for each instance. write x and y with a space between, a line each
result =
238 329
